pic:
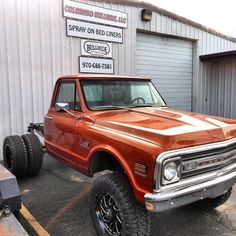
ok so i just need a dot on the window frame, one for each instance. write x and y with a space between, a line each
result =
75 91
85 101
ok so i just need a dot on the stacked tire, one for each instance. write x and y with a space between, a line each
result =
23 155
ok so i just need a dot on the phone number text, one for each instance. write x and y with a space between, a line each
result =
98 65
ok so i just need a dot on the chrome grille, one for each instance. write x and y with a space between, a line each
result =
201 162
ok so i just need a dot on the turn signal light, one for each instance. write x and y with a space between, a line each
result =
140 167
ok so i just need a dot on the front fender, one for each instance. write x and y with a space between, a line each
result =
137 182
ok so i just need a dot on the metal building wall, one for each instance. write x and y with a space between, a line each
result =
34 51
220 89
169 63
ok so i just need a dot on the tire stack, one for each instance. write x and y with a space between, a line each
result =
23 155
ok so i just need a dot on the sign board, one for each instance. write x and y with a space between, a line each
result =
96 65
82 11
82 29
95 48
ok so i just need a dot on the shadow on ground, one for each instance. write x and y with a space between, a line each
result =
58 199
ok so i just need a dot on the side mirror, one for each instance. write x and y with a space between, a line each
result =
62 107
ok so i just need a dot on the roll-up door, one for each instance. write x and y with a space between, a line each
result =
168 62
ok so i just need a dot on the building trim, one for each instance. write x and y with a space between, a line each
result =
169 14
220 55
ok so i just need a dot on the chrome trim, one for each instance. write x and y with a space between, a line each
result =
168 154
188 187
220 160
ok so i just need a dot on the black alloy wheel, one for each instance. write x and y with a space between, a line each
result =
114 209
108 214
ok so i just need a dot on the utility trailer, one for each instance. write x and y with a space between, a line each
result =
10 198
10 204
23 155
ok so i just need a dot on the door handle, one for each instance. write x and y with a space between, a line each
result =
49 117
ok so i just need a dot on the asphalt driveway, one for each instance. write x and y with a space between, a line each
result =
58 199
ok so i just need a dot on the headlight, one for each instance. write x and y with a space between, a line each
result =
170 170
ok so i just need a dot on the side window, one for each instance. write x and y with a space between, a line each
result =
67 93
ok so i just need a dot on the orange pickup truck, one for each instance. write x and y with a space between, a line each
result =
159 158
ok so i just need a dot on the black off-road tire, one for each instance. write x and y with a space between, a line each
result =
15 155
34 153
118 195
211 203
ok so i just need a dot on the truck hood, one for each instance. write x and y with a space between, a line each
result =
168 128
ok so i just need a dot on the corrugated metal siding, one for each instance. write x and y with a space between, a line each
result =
220 89
168 62
34 51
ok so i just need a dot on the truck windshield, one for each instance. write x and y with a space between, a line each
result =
120 94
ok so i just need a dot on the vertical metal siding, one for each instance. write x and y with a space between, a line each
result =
168 62
34 51
219 93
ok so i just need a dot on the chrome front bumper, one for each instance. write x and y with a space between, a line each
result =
170 198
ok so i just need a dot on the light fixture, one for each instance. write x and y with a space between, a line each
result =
171 170
146 14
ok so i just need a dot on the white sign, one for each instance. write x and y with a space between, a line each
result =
95 48
96 65
96 14
82 29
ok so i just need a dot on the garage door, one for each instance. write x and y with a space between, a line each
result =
168 62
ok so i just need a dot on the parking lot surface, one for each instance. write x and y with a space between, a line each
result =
58 200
